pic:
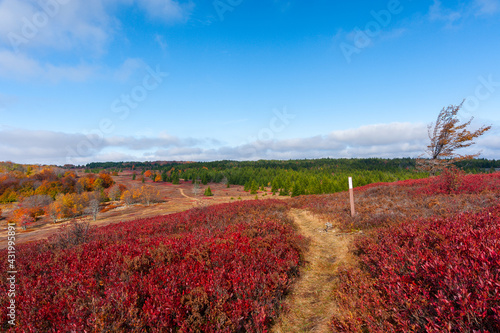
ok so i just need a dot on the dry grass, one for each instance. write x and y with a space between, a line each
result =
310 305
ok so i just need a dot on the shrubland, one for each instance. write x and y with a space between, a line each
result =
428 255
426 260
222 268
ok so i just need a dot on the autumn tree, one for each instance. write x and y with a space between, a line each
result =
22 217
36 204
116 191
447 135
127 197
9 195
107 180
55 211
149 194
85 183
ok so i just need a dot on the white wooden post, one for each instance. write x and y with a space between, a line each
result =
351 195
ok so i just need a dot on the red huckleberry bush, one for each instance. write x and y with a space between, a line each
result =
434 275
222 268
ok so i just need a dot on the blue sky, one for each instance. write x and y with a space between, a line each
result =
114 80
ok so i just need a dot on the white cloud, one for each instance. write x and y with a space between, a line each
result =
452 17
129 67
21 67
438 13
167 10
12 64
380 140
381 134
82 29
59 25
487 7
359 38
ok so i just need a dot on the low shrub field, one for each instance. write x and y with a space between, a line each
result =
390 204
428 255
424 257
434 275
222 268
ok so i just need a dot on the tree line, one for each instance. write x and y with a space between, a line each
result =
292 177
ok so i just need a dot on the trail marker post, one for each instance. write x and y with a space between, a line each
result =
351 195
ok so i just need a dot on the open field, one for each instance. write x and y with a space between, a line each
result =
175 198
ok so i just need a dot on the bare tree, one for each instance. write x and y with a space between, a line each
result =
196 187
448 135
93 208
115 193
72 234
36 201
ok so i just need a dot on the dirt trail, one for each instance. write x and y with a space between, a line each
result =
187 196
310 304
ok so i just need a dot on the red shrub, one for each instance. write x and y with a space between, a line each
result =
454 181
217 269
431 275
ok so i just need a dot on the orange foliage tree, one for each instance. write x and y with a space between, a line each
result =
72 204
22 217
448 135
107 180
36 205
55 210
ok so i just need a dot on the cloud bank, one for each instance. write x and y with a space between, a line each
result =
378 140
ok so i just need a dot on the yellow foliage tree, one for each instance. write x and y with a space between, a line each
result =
149 194
448 135
127 197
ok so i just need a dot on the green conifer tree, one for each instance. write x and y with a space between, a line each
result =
254 187
208 192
